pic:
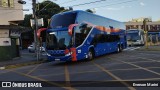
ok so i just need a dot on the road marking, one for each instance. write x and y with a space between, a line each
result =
131 48
142 58
7 70
149 54
44 80
114 76
147 59
34 69
67 77
2 68
4 72
140 61
145 79
137 66
95 71
127 80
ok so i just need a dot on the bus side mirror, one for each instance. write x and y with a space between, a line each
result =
39 31
70 29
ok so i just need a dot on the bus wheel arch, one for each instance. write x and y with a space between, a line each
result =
91 53
119 48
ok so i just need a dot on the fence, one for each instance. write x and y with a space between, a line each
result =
153 40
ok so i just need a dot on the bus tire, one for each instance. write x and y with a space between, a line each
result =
90 55
119 49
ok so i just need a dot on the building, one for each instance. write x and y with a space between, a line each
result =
138 24
10 12
153 28
10 15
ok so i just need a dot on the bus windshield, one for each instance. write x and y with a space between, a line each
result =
58 40
133 36
63 20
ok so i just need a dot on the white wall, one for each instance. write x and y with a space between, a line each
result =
5 42
11 14
4 33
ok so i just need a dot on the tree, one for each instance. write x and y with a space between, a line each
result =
47 9
89 10
26 21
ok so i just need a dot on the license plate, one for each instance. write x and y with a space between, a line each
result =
57 59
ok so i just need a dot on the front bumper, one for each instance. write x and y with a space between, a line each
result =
60 58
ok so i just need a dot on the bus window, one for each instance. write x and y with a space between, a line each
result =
58 40
96 39
103 38
63 20
81 33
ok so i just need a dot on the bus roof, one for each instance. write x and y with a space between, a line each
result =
87 17
81 11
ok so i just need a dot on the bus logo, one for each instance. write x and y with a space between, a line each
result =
6 84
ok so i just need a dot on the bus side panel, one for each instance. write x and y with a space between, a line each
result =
82 52
99 48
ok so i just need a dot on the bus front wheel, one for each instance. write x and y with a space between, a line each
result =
90 55
119 48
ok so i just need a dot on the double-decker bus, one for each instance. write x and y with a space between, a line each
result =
135 37
79 35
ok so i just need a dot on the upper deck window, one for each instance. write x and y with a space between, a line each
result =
63 20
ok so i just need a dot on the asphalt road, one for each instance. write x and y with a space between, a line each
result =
129 65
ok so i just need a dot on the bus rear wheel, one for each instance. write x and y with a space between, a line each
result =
90 55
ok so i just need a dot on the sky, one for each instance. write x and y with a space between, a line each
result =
121 10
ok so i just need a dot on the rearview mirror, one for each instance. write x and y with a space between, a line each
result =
70 29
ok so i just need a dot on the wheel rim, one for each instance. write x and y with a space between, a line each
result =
90 56
118 49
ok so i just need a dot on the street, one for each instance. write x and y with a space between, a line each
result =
129 65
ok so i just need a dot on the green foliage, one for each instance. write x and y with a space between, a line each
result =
88 10
26 21
46 13
50 9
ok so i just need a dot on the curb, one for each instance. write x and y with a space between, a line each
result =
23 64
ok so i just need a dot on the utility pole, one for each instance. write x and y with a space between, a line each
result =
35 29
36 43
146 32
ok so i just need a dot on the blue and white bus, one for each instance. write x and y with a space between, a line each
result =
79 35
135 37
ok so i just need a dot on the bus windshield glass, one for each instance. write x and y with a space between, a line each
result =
133 36
63 20
58 40
81 33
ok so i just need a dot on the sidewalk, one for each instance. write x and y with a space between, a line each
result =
25 58
150 48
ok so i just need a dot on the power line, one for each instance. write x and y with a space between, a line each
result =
67 2
46 6
87 3
115 4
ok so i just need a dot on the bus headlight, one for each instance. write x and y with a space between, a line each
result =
48 54
68 54
138 40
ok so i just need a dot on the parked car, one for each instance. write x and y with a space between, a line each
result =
31 48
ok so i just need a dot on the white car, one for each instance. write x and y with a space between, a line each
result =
31 48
